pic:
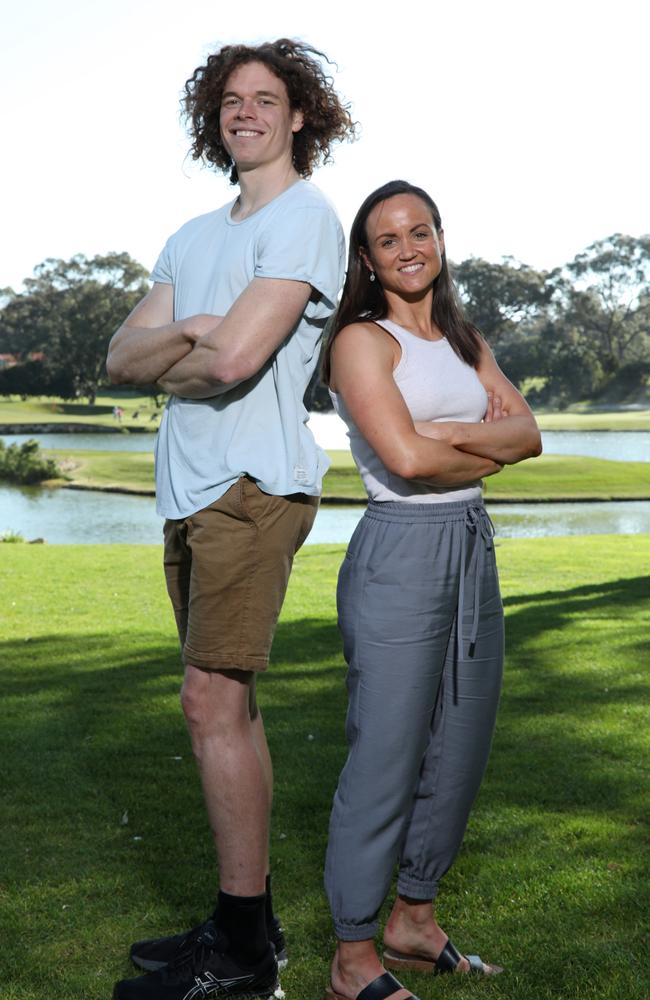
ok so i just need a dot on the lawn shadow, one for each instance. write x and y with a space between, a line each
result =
101 782
95 733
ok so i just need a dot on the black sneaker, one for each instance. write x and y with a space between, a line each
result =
156 953
276 938
204 970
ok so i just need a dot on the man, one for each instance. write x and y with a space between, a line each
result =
231 330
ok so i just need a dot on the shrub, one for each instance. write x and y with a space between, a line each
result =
11 537
25 463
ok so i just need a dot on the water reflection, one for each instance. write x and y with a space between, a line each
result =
519 520
86 442
330 432
71 516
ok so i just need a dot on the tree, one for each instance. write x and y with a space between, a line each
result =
27 323
603 293
509 303
36 378
69 311
502 299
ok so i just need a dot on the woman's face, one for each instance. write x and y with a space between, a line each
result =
404 249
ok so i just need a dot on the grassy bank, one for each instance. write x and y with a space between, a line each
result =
104 834
585 419
551 477
140 412
131 470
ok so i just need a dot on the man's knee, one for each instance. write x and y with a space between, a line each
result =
216 702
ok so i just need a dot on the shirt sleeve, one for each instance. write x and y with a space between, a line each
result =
304 243
163 268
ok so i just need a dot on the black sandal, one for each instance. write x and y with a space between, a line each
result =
447 961
379 989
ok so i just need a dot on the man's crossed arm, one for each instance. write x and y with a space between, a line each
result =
205 355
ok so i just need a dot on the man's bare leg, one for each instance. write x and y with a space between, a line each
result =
276 932
262 747
233 774
259 736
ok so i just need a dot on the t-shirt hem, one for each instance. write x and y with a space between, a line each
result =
180 513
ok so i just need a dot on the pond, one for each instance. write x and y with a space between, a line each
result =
73 517
329 431
69 516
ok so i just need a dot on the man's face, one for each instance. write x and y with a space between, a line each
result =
257 123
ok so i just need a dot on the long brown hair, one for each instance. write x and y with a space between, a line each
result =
364 300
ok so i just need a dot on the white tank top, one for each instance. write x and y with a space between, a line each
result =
436 385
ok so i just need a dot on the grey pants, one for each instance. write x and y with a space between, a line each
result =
423 698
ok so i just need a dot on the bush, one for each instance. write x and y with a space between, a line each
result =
24 463
11 537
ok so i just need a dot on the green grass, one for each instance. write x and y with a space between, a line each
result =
551 477
130 470
580 417
43 410
569 477
552 878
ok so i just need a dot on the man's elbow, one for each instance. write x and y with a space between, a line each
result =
230 370
114 371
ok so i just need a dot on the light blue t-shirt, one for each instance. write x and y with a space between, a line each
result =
258 428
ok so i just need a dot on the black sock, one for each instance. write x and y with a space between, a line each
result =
243 920
269 902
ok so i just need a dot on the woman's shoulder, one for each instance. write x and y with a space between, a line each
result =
360 347
366 329
363 337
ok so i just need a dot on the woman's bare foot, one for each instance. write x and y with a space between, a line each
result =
412 929
355 964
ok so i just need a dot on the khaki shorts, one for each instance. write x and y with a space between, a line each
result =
227 568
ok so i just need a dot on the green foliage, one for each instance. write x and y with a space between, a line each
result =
501 298
68 314
11 537
26 464
109 841
576 327
37 378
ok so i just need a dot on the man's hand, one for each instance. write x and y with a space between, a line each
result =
150 341
256 325
197 326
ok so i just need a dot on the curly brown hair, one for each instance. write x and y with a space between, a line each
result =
326 118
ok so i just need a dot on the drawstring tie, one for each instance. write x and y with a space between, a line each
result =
477 521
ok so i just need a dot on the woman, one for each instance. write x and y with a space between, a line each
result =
429 416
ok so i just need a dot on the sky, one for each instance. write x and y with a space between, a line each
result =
526 121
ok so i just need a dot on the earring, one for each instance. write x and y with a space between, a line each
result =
372 275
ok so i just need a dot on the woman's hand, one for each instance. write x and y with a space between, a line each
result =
437 430
447 431
363 360
495 409
508 432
